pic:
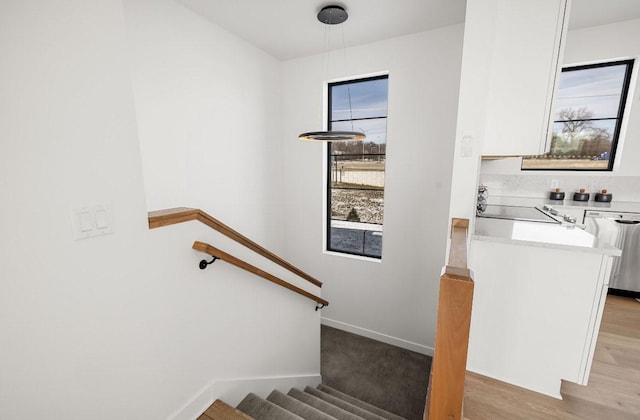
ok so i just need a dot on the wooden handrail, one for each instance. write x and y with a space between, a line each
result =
445 394
217 253
184 214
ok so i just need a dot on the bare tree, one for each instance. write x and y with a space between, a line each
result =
575 122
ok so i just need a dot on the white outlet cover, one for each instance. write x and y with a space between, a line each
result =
466 145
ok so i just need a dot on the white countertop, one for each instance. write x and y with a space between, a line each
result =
536 234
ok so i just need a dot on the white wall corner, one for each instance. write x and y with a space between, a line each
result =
196 405
378 336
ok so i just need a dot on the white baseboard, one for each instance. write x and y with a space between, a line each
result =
233 390
394 341
550 388
196 406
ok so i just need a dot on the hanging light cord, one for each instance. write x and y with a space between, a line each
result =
325 16
346 68
326 73
326 50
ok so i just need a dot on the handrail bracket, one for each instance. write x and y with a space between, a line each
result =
204 263
219 254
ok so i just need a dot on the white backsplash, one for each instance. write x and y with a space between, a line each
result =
623 188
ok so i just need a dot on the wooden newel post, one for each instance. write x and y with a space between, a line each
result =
445 394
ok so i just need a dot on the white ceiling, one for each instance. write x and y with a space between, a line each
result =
288 29
585 13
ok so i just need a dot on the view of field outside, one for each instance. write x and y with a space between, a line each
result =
587 118
357 192
356 169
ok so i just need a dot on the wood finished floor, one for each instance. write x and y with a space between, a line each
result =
613 392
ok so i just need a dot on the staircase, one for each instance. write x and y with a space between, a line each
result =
321 403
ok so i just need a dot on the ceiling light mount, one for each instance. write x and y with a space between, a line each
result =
332 15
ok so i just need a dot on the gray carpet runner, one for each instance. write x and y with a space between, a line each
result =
353 400
321 403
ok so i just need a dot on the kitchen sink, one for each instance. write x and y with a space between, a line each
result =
529 214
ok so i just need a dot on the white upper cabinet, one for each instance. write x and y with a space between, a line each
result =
526 39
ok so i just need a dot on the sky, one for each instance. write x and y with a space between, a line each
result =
598 89
367 99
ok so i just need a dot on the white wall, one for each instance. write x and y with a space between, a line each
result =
123 326
599 43
479 32
395 299
209 118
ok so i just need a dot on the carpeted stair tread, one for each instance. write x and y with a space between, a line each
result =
386 376
297 407
322 405
261 409
357 402
361 412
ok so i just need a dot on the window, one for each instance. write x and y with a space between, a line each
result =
589 107
355 170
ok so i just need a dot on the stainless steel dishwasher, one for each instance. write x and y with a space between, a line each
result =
621 230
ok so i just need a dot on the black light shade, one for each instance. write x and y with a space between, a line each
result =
332 136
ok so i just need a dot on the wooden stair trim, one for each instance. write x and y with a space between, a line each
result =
445 394
458 248
168 217
218 253
220 410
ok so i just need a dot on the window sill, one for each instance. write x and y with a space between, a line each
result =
352 256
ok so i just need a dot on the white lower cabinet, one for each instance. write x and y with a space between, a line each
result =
536 313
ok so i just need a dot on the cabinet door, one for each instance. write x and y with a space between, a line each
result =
524 68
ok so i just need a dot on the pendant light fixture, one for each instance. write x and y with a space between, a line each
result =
334 15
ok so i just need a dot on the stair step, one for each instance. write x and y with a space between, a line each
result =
220 410
297 407
322 405
361 412
357 402
261 409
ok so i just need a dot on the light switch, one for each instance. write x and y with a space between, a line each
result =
90 221
86 224
102 222
466 145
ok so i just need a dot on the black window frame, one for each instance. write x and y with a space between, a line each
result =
328 162
629 63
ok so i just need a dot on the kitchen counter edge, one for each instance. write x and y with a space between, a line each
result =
543 236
